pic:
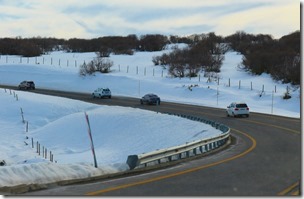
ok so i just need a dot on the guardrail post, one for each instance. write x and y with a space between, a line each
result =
169 158
201 149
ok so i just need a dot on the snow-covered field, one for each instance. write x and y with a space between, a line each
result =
59 125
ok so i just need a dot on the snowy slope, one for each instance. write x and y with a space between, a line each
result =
59 124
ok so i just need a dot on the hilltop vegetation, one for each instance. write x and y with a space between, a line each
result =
261 53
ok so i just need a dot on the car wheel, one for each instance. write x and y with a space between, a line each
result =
141 102
247 115
110 97
227 114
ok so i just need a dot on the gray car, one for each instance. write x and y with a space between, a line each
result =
26 85
150 99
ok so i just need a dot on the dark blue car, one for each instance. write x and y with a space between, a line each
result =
150 99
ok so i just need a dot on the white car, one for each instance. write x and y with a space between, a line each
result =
236 109
102 92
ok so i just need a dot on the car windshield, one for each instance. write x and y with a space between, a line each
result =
241 105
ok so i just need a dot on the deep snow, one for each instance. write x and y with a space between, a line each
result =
59 124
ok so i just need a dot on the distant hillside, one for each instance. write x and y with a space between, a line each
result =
262 54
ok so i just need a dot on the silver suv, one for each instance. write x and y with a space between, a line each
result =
26 85
102 92
236 109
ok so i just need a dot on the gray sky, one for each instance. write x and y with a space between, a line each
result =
97 18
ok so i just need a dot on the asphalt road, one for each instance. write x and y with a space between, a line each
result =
265 159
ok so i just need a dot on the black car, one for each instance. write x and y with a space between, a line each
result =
27 85
150 99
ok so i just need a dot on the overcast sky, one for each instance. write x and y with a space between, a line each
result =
96 18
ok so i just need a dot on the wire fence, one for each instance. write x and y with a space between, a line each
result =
36 145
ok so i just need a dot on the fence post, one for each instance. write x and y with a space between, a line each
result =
32 143
26 127
251 85
229 82
239 84
22 115
272 103
127 69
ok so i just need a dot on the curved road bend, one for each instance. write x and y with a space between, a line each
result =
264 161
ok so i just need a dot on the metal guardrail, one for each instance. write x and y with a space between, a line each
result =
182 151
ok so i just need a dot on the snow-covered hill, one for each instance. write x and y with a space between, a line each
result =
58 124
136 75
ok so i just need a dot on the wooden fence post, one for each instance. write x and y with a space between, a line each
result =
22 115
26 127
